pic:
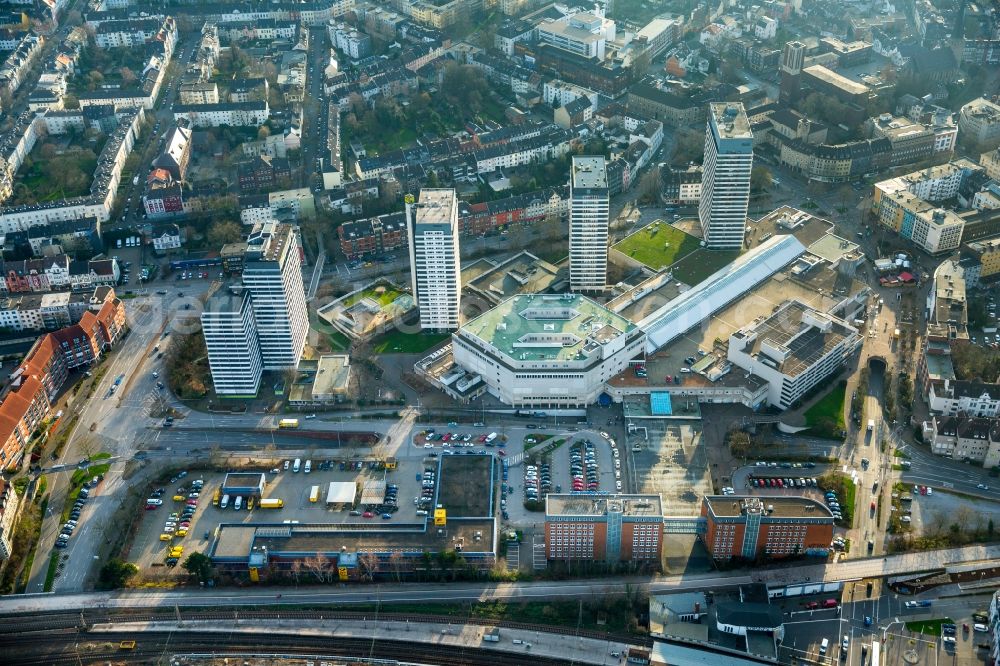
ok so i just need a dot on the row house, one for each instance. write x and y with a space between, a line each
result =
963 397
234 114
27 400
371 237
263 30
42 312
18 63
970 439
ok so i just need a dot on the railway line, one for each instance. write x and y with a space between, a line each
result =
70 647
17 626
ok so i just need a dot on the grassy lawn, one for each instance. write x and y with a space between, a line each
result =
339 341
698 265
610 615
930 627
50 575
384 298
76 481
397 342
846 494
826 417
658 245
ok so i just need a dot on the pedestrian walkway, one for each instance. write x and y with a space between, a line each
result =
538 560
515 459
513 556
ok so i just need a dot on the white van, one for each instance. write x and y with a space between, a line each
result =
297 465
824 645
309 466
239 502
225 502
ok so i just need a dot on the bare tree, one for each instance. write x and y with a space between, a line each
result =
369 564
396 561
319 566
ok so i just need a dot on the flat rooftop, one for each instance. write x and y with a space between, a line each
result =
237 541
435 206
783 506
589 173
821 288
565 505
793 331
804 226
465 487
524 273
333 372
833 248
730 120
547 327
833 78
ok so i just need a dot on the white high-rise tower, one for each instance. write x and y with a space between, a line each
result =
725 181
435 269
272 273
589 205
231 340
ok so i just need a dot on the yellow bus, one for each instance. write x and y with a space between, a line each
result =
314 494
288 423
216 497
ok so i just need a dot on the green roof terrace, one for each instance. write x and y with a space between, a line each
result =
548 327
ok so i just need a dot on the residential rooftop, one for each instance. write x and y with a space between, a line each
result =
543 327
730 120
589 173
435 206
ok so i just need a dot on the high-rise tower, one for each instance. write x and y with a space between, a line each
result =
725 180
435 268
589 205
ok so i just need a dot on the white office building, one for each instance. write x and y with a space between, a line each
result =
233 348
793 349
272 274
435 270
547 350
585 34
589 205
725 188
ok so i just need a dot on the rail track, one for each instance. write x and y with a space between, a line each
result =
16 626
67 646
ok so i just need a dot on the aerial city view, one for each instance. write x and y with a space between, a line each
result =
499 332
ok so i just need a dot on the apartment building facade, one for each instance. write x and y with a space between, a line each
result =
725 188
435 271
589 208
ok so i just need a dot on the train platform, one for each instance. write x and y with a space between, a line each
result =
569 648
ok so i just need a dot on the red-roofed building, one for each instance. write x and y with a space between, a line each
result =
26 401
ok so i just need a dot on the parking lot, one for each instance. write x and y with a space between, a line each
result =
674 464
932 514
294 489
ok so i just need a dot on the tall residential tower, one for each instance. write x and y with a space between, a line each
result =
231 340
589 204
434 258
725 181
272 273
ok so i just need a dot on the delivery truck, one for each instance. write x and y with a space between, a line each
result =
271 503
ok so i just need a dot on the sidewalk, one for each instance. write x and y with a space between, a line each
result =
556 646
